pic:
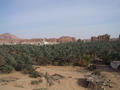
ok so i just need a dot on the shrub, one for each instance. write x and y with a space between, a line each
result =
28 69
36 82
107 59
34 74
10 60
19 67
84 60
6 69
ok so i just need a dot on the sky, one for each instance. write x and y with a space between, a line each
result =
55 18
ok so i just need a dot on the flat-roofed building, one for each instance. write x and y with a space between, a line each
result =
105 37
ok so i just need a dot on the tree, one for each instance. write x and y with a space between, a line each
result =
10 60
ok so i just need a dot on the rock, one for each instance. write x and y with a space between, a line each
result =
66 39
96 73
37 69
57 76
115 65
49 79
96 81
53 78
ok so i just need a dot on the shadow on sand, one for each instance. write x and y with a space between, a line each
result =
82 82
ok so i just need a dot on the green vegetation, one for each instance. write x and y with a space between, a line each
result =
34 74
36 82
21 57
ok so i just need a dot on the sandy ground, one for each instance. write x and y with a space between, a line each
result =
73 79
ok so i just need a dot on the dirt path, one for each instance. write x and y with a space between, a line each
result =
72 75
73 79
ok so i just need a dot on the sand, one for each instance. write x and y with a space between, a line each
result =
73 79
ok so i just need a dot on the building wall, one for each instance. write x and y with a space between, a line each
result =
105 37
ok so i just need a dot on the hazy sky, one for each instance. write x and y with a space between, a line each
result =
54 18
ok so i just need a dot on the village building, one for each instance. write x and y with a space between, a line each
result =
105 37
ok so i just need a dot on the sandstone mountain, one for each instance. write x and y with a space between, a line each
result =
8 36
66 39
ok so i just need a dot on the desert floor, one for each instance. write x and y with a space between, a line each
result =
73 79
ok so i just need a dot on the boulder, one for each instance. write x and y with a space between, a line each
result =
115 64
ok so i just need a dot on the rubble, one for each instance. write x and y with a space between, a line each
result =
49 79
96 81
53 78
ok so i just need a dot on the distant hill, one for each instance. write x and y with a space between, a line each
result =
66 39
8 36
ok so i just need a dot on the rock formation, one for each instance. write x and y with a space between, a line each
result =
12 39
